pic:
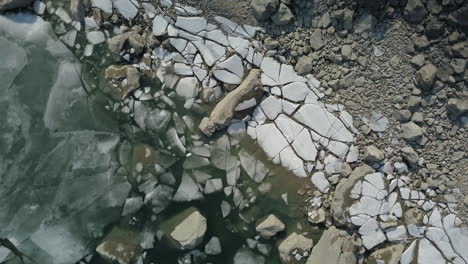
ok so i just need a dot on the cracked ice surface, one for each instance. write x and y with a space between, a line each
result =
439 237
291 116
60 190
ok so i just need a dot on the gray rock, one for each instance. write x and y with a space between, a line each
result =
270 226
460 49
283 16
77 10
132 205
294 242
157 120
213 185
411 156
418 60
373 154
117 42
411 131
304 65
365 24
457 106
334 247
213 247
263 9
12 4
425 77
465 201
415 11
316 40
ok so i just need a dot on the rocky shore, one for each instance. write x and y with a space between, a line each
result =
364 101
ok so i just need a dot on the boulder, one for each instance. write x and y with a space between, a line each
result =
457 106
304 65
341 201
12 4
415 11
316 40
334 247
186 229
282 16
373 154
120 246
294 242
426 76
270 226
224 110
411 131
263 9
387 255
460 49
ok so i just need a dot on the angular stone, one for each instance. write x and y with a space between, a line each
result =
282 16
269 133
121 246
159 25
426 76
213 247
263 9
296 91
270 226
187 233
411 131
387 255
126 8
334 247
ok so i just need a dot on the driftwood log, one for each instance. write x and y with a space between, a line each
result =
223 112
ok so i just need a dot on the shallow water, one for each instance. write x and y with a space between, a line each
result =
61 187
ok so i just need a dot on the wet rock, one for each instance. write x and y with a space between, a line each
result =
387 255
188 229
415 11
373 154
247 256
224 110
304 65
283 16
457 106
137 42
411 131
12 4
334 247
263 9
121 80
294 242
213 247
425 77
120 246
270 226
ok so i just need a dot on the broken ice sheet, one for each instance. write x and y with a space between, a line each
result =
58 187
376 121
